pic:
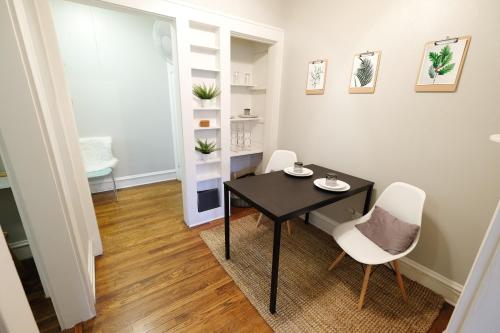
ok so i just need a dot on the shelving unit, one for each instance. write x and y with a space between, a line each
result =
248 81
205 69
216 50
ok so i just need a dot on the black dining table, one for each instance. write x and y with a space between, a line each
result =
281 197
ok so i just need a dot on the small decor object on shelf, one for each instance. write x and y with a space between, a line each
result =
236 77
206 94
204 123
248 79
364 73
442 64
316 77
205 148
247 113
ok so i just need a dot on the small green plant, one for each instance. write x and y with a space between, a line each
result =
441 62
205 147
202 91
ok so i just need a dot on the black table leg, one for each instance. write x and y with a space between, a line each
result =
306 221
368 199
226 222
275 268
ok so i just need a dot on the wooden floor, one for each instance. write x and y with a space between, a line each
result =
41 306
156 275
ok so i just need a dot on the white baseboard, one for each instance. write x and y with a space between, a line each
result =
105 184
441 285
21 249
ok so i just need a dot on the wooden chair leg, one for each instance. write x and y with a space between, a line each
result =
289 226
337 260
399 278
364 287
259 220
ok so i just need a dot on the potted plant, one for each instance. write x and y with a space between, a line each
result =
205 148
206 94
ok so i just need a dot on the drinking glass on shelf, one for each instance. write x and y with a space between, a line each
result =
248 79
236 77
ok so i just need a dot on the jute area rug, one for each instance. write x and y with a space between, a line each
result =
311 298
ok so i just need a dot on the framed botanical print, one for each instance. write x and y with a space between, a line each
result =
364 73
442 64
316 77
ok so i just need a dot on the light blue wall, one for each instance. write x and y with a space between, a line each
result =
118 82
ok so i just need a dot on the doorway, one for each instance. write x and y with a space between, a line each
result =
121 72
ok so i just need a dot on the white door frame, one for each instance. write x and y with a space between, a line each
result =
15 311
472 314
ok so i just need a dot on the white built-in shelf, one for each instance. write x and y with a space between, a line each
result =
249 86
207 128
204 47
205 69
257 88
206 109
256 150
238 119
209 161
207 176
241 85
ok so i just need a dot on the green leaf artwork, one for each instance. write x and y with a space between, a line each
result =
441 62
364 73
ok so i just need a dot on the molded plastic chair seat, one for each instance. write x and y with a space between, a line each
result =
401 200
98 158
359 247
99 173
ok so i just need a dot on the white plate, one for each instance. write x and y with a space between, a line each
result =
248 116
342 186
305 172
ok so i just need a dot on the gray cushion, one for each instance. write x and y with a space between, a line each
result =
389 233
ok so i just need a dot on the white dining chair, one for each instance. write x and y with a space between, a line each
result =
98 158
280 159
403 201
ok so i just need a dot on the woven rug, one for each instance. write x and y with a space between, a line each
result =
311 298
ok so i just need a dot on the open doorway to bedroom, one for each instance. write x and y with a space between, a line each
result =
121 72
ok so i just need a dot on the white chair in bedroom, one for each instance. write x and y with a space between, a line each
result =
98 158
280 159
401 200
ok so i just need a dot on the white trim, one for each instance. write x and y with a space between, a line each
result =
91 267
441 285
105 184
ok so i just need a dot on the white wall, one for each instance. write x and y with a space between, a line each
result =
119 83
437 141
263 11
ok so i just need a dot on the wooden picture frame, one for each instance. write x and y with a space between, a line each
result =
447 73
372 59
316 77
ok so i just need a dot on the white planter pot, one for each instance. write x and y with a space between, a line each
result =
208 103
206 157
